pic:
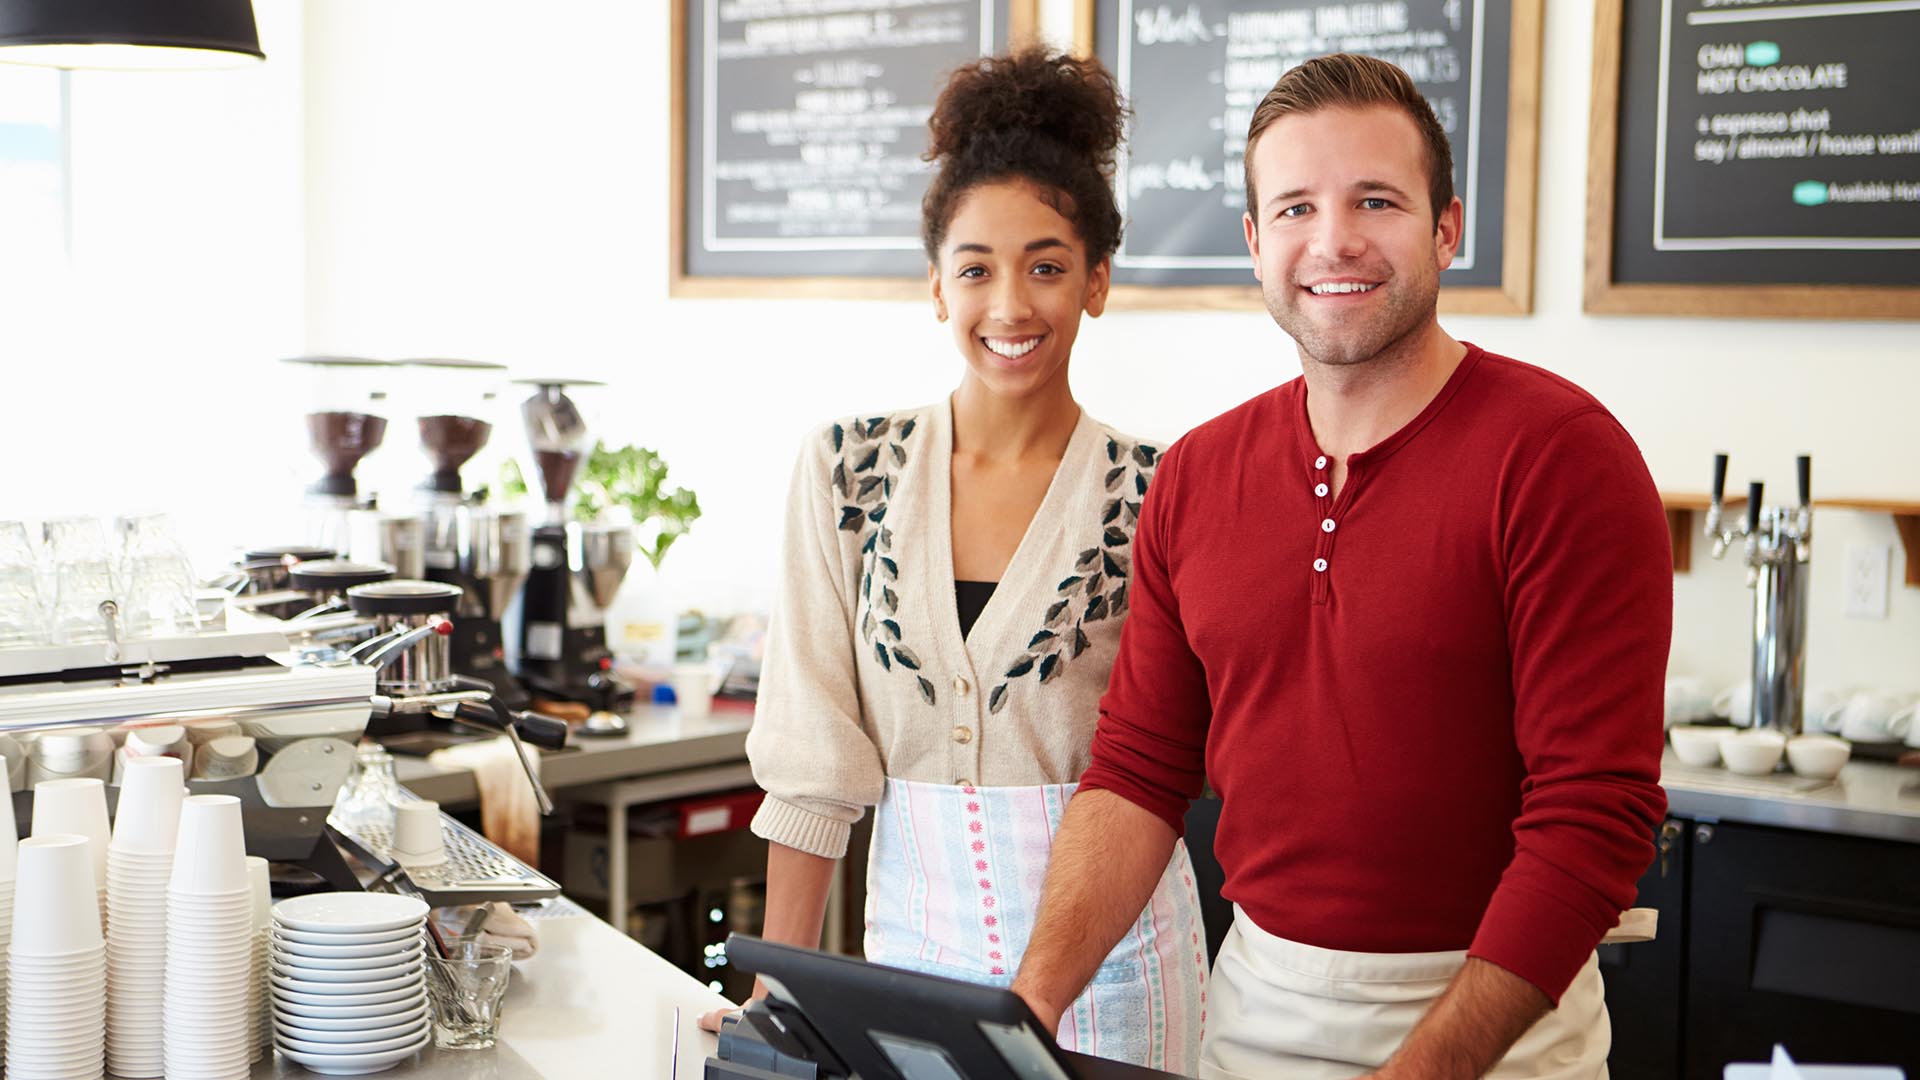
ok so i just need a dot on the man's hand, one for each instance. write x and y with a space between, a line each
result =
1048 1013
1485 1010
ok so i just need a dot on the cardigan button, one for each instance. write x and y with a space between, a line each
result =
961 686
963 782
1320 462
963 735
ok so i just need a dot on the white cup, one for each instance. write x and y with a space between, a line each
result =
1735 703
1871 717
68 753
55 910
1819 756
9 850
1820 712
206 731
1687 700
693 689
16 755
1753 753
210 858
151 791
1697 746
417 836
226 758
78 807
261 882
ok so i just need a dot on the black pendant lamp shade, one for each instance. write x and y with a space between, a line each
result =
129 34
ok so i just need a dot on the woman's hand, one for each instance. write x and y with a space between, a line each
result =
711 1021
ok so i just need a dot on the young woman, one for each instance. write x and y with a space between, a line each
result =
955 580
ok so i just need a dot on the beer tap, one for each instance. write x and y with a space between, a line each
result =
1778 552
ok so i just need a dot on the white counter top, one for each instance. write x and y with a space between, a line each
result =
658 740
1869 798
593 1004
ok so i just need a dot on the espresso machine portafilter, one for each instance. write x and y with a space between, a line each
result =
1778 554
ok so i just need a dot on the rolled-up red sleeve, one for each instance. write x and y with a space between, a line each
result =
1590 615
1150 745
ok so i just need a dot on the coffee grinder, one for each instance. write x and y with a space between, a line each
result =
481 548
556 629
346 420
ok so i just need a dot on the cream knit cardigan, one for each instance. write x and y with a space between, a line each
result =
866 674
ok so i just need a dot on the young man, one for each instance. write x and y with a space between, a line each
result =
1410 613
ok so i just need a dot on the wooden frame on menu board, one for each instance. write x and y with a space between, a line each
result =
1607 296
1022 23
1514 294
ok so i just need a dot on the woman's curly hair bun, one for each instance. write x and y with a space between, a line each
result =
1047 117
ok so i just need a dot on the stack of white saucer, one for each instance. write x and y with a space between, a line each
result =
209 944
139 864
57 1000
348 984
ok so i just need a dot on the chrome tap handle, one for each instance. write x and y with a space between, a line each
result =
380 651
494 716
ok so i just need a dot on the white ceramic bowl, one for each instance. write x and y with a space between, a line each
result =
1753 753
1818 756
1698 746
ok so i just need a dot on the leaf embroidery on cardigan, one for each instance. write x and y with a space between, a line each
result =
868 453
1097 584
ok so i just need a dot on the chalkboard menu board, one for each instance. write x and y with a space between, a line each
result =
1194 70
799 130
1756 157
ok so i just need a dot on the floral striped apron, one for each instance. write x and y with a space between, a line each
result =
953 889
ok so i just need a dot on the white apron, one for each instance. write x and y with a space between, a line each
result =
953 887
1280 1008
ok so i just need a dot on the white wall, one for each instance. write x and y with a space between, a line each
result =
132 376
444 178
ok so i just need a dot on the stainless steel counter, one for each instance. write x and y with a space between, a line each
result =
593 1003
659 741
1869 798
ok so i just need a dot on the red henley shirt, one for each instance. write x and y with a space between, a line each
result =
1431 705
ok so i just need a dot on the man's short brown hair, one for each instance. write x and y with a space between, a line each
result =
1352 81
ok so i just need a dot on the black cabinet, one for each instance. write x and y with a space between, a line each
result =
1646 981
1769 935
1806 939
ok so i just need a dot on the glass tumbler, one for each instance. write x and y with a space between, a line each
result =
466 988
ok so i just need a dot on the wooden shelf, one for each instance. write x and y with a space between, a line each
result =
1681 528
1906 521
1681 508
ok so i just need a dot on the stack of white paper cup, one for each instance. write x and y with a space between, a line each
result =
77 807
260 1029
9 856
209 944
57 1004
139 865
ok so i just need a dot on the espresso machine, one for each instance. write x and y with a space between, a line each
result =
1778 553
346 420
556 628
465 541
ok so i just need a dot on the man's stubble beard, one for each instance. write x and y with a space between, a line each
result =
1411 305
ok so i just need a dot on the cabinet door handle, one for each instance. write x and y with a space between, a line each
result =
1669 835
1703 834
